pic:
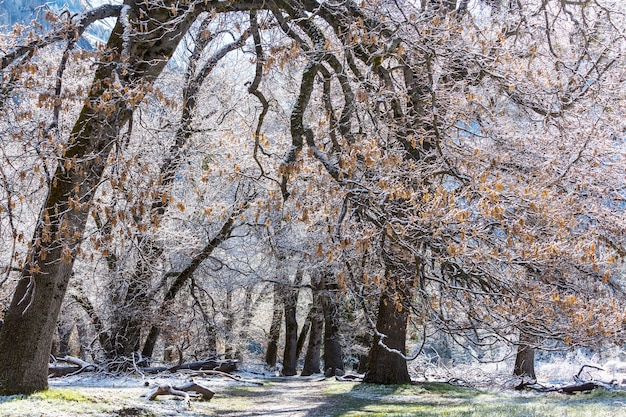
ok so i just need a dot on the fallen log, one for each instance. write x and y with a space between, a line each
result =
226 375
227 365
55 371
180 391
349 378
585 387
76 366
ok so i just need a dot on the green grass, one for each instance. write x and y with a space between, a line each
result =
58 394
436 399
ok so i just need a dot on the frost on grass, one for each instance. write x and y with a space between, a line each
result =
98 395
105 396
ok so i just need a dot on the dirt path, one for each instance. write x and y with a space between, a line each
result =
294 397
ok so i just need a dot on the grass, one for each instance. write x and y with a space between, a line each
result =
430 399
317 398
77 401
59 394
436 399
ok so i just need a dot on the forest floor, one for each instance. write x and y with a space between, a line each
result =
98 396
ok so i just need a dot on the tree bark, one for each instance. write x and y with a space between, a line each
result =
525 358
387 364
304 332
243 338
312 357
30 322
130 315
316 327
277 317
290 354
333 352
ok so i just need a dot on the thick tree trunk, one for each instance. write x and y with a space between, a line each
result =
30 322
525 359
387 364
290 357
130 316
316 326
312 357
290 354
277 318
304 332
333 352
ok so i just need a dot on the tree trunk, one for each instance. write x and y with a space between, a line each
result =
304 332
65 333
364 342
290 354
312 357
277 317
30 322
210 344
316 326
130 316
229 323
243 338
525 359
387 364
333 352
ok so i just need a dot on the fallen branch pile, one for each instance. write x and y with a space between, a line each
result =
580 384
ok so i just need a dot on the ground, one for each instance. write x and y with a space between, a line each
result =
98 396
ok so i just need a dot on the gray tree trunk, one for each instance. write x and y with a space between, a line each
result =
274 334
290 354
333 352
316 327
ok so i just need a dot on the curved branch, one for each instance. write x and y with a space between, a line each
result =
72 31
253 88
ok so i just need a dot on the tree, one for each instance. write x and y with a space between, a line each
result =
138 49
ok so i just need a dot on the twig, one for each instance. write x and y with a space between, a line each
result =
577 377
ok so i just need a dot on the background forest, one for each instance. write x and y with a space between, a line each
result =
351 183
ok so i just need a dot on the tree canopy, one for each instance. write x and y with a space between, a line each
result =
454 166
